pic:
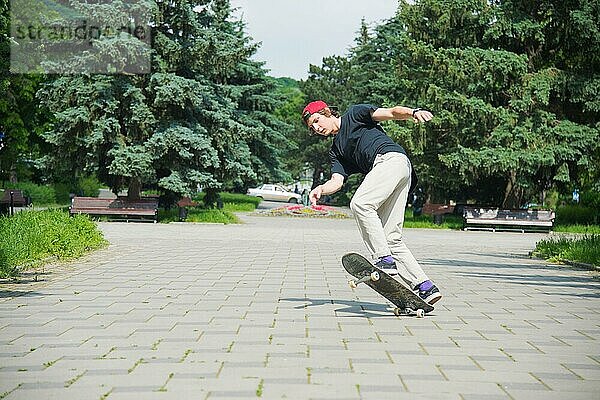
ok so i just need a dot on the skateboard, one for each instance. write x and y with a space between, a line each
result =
406 301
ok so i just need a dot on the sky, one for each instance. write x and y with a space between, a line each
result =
296 33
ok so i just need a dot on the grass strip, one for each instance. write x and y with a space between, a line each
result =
585 249
30 237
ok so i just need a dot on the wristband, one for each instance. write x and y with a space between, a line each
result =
415 111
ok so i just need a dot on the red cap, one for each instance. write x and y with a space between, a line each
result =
312 108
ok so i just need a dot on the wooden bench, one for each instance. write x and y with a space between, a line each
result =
183 205
144 209
437 209
18 199
511 220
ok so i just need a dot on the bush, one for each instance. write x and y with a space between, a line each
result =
576 215
591 199
239 198
426 221
62 193
29 237
233 201
212 216
552 200
88 186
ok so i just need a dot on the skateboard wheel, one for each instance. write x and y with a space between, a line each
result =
420 313
374 276
408 311
397 312
352 284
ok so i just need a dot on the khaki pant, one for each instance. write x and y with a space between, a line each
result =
378 206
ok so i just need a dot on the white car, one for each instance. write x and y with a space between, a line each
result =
274 193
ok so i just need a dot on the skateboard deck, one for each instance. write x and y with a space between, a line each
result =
405 300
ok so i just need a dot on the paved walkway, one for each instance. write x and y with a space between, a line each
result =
264 310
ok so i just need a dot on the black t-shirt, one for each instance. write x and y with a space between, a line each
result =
358 142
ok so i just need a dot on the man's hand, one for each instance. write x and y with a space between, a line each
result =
315 195
334 184
421 116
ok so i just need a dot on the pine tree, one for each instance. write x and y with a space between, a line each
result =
100 122
512 85
231 102
20 119
200 118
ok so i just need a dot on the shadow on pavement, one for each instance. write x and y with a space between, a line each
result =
359 308
514 274
18 293
23 284
509 265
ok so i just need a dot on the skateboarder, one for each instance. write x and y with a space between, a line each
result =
361 145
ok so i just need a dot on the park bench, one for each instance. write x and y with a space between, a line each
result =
144 209
13 198
511 220
437 211
18 199
183 205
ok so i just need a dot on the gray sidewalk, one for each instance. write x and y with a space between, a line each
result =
264 310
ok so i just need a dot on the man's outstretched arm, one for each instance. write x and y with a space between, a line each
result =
401 113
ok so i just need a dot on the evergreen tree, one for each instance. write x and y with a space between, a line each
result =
511 84
232 105
288 111
20 119
201 118
101 122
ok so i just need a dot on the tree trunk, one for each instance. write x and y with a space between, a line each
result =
13 174
428 195
512 193
135 189
210 198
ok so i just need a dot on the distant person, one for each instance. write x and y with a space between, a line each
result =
296 189
418 202
361 145
576 196
305 200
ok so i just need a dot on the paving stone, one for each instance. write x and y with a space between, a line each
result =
159 317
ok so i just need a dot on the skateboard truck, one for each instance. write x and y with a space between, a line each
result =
374 277
420 313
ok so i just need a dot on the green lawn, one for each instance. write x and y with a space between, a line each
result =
586 229
232 203
584 249
426 221
30 237
195 214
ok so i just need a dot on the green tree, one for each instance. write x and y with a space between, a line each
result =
549 130
288 111
231 104
511 84
201 118
100 121
20 118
